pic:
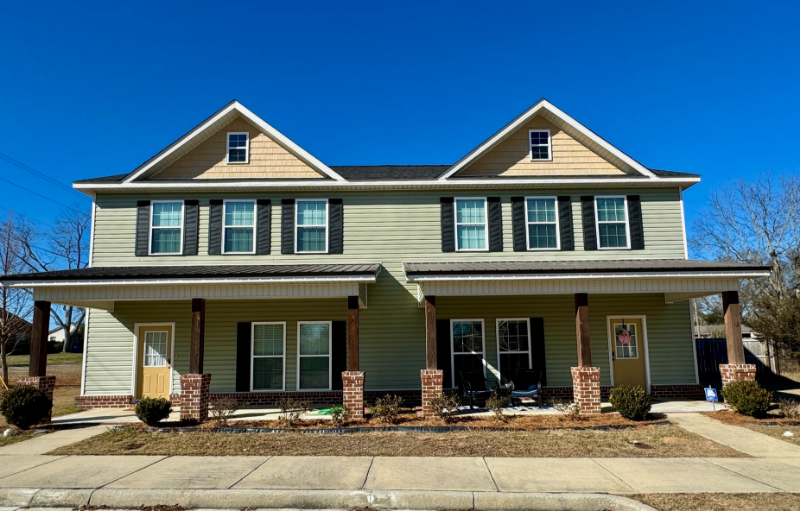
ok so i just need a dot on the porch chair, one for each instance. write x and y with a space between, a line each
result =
529 383
473 385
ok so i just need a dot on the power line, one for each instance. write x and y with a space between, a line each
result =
41 175
40 195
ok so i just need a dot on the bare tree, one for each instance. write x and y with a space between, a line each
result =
758 222
65 246
15 304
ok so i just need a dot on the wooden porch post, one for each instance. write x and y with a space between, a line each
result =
733 326
37 365
582 329
352 333
197 345
430 332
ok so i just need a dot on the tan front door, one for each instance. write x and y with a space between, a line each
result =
627 351
154 365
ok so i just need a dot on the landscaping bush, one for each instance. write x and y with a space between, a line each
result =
631 401
292 410
747 398
496 404
445 405
789 408
25 406
387 408
151 410
569 409
222 408
338 415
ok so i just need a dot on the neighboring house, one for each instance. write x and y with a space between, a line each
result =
59 334
20 333
235 257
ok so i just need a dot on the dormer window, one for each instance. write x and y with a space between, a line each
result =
540 145
238 147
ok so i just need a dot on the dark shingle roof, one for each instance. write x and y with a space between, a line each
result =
672 173
200 272
419 269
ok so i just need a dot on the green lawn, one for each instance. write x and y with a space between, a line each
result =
53 358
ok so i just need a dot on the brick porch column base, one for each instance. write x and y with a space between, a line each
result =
586 389
353 394
737 372
43 383
195 397
431 387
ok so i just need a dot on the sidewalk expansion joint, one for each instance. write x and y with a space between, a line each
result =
369 469
612 474
162 458
247 474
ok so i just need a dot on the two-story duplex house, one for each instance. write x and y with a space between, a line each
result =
235 262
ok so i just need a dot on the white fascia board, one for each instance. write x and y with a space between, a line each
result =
589 276
254 119
169 282
524 118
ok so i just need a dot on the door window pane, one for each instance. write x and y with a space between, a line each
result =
155 349
626 341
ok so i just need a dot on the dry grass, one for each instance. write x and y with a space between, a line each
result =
645 441
771 426
721 501
68 386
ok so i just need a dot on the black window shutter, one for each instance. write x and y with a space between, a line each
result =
287 226
142 228
565 222
495 208
215 227
263 226
443 352
589 228
518 223
538 360
336 214
243 357
338 353
192 227
448 225
635 221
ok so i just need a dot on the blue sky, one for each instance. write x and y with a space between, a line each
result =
91 89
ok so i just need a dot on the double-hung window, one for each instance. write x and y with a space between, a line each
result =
311 225
471 224
314 355
612 222
467 344
540 145
269 356
166 227
541 218
238 147
513 347
239 226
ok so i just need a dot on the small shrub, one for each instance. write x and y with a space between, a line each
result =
631 401
291 411
387 408
151 411
445 405
25 406
789 408
496 404
338 416
747 398
569 409
223 408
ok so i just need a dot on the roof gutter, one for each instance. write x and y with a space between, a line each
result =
363 279
441 277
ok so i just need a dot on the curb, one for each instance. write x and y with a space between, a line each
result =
318 499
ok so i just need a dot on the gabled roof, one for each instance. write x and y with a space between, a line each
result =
562 120
213 124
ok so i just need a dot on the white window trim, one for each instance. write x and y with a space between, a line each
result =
330 354
485 224
297 226
453 353
497 339
645 346
253 356
228 148
549 145
627 222
528 223
150 231
255 222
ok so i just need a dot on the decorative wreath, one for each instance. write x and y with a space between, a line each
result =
624 336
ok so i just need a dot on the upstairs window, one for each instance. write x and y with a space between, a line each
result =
166 227
239 227
311 225
471 229
238 147
542 223
540 145
612 222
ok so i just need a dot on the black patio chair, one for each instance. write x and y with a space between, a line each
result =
528 385
473 385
